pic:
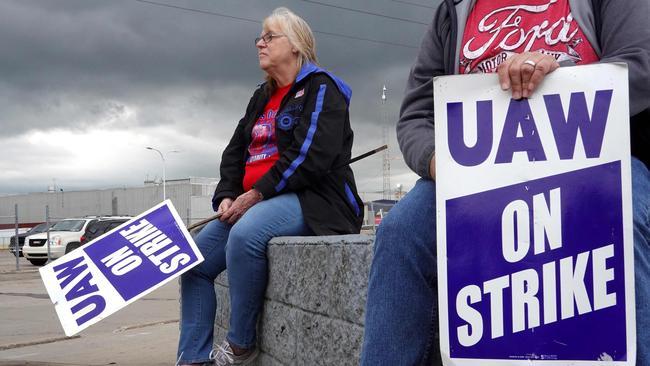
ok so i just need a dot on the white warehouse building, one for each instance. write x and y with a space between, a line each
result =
191 197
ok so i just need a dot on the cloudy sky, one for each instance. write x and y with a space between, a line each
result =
86 85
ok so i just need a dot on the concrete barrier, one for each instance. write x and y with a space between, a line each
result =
315 301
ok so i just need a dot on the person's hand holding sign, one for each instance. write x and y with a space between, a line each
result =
237 208
523 72
224 206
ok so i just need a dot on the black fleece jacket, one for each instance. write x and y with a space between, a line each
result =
314 137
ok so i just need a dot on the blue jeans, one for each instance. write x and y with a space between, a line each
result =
401 325
242 249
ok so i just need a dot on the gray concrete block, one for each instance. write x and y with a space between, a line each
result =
315 301
357 239
219 334
298 275
222 279
278 331
326 275
326 341
282 269
349 267
222 316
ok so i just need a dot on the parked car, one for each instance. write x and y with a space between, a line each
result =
40 228
100 227
65 236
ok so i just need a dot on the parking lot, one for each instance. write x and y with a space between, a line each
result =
144 333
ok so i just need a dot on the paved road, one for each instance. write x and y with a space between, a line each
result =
144 333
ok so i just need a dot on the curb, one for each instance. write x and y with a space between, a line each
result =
34 343
144 325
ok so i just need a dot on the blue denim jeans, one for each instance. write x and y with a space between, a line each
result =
242 249
401 325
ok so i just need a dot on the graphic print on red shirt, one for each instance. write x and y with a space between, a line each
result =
263 149
496 30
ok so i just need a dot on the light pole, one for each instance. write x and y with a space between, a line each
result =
163 176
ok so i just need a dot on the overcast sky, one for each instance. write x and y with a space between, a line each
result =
86 85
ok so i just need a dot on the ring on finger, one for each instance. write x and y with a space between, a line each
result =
531 63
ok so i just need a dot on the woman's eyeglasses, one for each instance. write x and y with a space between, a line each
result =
267 38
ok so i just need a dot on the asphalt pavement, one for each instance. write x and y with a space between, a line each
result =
143 333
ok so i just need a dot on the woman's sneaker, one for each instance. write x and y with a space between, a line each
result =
223 355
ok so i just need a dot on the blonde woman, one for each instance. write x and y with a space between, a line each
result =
277 179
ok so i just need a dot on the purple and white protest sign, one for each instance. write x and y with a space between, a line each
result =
118 268
534 220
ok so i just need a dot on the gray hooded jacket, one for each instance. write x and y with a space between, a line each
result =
624 36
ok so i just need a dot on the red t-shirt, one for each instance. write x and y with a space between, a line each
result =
263 149
496 30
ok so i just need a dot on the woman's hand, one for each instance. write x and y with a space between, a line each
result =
224 205
523 72
238 208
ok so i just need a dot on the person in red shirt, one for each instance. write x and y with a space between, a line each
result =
522 41
263 149
283 173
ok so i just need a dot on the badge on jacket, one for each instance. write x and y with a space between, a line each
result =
289 117
285 121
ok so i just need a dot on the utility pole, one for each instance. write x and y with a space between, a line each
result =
17 246
164 178
386 155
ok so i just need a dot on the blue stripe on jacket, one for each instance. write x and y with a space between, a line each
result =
353 201
308 139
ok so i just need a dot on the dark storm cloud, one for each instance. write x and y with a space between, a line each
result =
73 42
120 64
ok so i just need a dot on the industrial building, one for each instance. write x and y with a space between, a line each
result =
191 198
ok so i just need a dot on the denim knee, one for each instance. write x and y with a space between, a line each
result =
391 242
243 243
202 271
389 229
406 237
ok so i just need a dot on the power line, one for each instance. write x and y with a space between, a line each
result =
155 3
198 11
366 39
415 4
364 12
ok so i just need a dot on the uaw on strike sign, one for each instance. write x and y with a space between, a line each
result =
118 268
535 255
